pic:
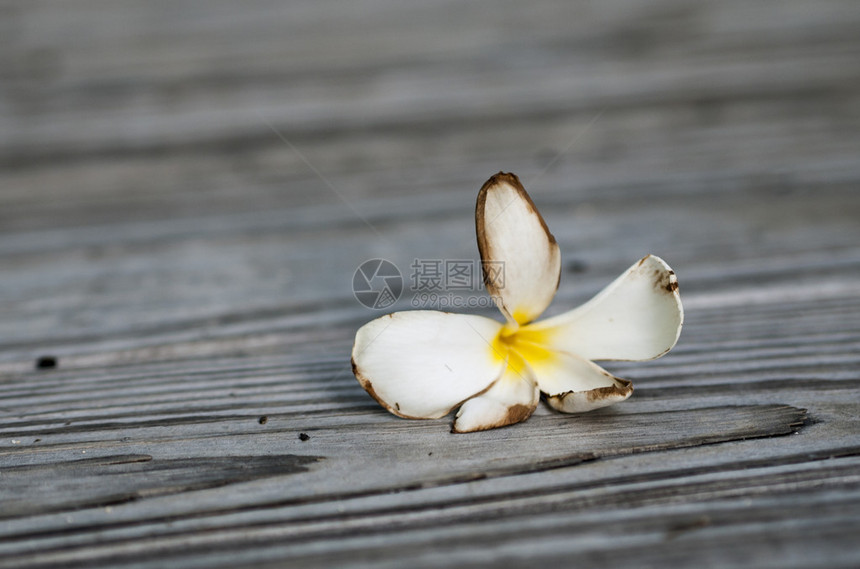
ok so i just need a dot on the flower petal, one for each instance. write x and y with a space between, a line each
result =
521 260
513 398
575 385
637 317
423 363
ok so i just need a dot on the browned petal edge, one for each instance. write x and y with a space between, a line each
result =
483 245
364 381
622 389
517 413
663 279
666 280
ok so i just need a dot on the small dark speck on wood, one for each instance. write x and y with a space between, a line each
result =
263 420
46 362
304 437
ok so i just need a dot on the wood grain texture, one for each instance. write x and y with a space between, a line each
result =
186 191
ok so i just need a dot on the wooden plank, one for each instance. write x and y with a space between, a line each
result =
732 480
186 194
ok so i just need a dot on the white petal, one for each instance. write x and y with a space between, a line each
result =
575 385
422 364
513 398
522 264
637 317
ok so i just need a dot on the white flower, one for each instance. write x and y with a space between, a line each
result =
421 364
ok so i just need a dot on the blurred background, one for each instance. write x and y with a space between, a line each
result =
210 175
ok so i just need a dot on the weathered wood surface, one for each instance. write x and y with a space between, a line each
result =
187 190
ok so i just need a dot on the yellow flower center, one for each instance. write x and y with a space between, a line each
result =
521 345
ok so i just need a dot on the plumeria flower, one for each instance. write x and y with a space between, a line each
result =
422 364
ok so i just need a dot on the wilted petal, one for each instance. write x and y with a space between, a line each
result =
575 385
422 364
637 317
513 398
522 264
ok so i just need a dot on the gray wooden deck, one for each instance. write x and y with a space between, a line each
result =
186 190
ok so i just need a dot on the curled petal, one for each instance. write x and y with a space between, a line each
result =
637 317
521 260
421 364
513 398
575 385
